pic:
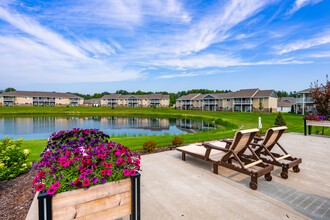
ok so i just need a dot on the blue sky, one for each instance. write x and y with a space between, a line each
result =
92 46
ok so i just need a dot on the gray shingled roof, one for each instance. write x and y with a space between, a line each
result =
189 96
264 93
245 93
151 96
40 94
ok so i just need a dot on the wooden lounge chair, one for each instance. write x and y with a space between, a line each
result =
223 154
266 153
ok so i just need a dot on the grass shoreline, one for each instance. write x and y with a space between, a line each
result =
231 120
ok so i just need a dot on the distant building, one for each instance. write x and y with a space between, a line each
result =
285 104
244 100
118 100
92 102
305 103
34 98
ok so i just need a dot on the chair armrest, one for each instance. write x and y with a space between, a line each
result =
228 141
208 145
256 145
258 138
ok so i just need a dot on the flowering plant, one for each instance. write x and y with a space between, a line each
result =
13 161
80 159
317 118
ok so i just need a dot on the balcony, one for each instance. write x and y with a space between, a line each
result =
154 101
305 100
132 101
209 102
8 99
112 100
187 102
248 102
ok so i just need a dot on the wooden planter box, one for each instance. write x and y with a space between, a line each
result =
310 123
105 201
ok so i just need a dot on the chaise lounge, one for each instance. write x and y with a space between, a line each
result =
266 153
223 154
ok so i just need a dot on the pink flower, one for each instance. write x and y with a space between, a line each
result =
126 171
40 187
56 185
133 172
109 172
35 180
88 172
86 182
108 165
104 163
51 190
63 163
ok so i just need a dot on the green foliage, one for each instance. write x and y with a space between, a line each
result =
281 94
154 106
13 161
279 121
292 109
9 90
261 106
259 133
225 124
271 110
149 146
177 141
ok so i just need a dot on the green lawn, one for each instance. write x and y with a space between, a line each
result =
242 120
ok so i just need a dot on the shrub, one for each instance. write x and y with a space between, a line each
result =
13 161
279 121
177 141
271 110
80 159
154 106
113 107
292 109
149 146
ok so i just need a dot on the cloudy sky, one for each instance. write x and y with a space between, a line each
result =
92 46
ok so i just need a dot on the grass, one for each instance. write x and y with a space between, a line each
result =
231 121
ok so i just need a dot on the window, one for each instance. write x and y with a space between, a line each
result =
228 100
141 100
261 99
163 104
60 103
179 101
145 104
146 99
26 103
59 98
121 100
104 100
228 107
17 103
220 100
164 99
26 97
125 99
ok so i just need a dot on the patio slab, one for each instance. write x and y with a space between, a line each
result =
176 189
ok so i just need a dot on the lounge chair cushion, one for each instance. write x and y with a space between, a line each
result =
215 155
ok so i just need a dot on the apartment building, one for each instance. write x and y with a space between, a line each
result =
304 102
118 100
34 98
285 104
244 100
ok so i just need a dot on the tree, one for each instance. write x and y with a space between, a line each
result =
9 90
321 97
261 107
279 121
292 109
123 92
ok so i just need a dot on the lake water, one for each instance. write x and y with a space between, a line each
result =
31 128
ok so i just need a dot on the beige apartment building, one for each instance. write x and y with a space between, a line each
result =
244 100
118 100
33 98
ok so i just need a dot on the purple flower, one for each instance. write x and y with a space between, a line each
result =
54 177
103 180
89 171
94 179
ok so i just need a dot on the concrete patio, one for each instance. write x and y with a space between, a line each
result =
176 189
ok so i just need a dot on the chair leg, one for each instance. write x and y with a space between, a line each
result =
183 156
284 173
254 183
215 168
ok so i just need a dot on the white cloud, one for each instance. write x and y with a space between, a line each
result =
298 4
43 34
324 54
324 38
169 76
96 47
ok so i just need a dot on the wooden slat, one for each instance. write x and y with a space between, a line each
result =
79 196
252 164
114 213
67 213
283 157
103 204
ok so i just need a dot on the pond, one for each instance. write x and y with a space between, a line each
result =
32 128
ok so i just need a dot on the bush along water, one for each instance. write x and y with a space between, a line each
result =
13 160
80 159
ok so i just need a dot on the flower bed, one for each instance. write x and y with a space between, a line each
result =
81 159
317 118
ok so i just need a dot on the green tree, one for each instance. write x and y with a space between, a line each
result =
279 121
123 92
9 90
261 106
292 109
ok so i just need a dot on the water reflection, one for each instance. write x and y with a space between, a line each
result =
31 128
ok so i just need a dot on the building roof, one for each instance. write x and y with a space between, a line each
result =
92 101
40 94
189 96
265 93
151 96
245 93
304 91
286 101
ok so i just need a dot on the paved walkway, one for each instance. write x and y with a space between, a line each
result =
176 189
